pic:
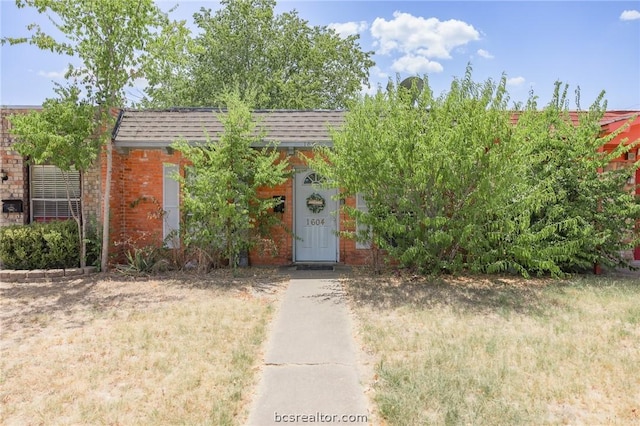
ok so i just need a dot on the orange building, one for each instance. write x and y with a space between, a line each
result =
611 122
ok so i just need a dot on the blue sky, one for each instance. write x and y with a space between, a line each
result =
593 44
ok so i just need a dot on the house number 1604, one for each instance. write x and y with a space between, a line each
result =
315 222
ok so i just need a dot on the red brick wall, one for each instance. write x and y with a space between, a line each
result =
136 200
349 254
281 237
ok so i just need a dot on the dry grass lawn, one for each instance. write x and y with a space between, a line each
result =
492 351
122 351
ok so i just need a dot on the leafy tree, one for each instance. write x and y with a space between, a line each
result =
109 37
224 213
280 60
451 184
429 169
65 134
575 212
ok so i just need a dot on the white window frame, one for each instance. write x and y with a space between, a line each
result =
48 193
361 205
170 204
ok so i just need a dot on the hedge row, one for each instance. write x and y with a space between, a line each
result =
40 246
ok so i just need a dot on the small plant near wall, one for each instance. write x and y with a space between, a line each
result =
140 256
93 241
156 213
140 260
64 134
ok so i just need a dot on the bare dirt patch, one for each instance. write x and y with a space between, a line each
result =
28 308
113 349
479 293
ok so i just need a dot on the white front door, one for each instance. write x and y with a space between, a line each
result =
316 220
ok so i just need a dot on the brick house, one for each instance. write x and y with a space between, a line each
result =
145 200
37 193
144 163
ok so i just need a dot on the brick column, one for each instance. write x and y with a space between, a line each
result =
16 187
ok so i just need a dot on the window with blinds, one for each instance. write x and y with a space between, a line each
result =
49 193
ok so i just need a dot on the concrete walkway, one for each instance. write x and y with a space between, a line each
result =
310 373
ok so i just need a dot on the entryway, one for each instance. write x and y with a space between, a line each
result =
315 219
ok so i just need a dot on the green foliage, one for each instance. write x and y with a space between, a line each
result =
428 167
574 212
274 61
109 37
93 241
62 134
40 246
451 184
223 213
140 260
65 134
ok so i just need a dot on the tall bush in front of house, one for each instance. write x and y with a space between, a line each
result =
40 246
430 170
223 213
574 212
451 184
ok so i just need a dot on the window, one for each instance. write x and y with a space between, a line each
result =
361 205
49 193
314 179
171 206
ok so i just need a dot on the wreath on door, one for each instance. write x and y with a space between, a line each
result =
315 203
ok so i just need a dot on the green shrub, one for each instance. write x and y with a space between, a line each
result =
230 217
452 185
140 260
40 246
93 239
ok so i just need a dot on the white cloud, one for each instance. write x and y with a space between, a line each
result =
416 65
140 83
430 38
378 72
629 15
346 29
135 93
56 75
515 81
485 54
370 90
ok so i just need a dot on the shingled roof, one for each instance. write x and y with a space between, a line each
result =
291 128
607 118
159 128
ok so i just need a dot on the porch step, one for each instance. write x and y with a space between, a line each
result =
314 267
